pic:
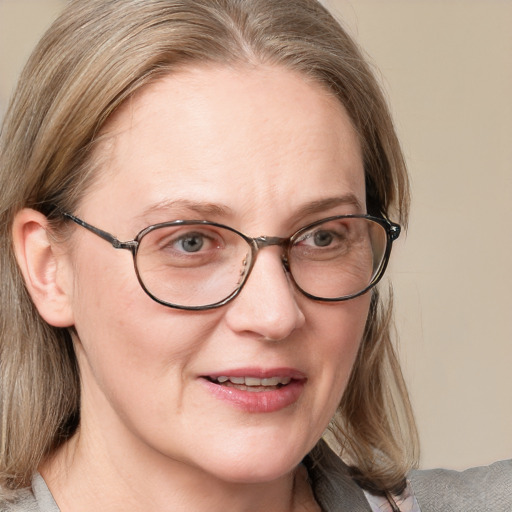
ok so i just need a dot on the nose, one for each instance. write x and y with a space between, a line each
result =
266 307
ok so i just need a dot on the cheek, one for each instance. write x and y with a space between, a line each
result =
340 328
127 343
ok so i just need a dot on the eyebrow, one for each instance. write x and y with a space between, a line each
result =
203 209
206 209
329 203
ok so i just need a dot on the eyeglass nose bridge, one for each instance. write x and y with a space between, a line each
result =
266 241
261 242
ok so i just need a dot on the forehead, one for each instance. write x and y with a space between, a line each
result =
248 138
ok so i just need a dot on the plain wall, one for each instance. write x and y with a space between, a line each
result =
447 68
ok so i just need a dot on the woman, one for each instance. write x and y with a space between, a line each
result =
196 205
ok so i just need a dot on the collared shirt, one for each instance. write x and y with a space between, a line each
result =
485 489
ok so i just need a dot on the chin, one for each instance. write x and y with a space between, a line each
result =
264 462
255 471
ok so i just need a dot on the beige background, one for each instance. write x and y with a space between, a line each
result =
447 68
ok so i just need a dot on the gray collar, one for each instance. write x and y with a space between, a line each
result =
333 487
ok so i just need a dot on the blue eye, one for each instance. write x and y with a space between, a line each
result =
322 238
191 242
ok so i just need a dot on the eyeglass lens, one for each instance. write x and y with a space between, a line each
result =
197 265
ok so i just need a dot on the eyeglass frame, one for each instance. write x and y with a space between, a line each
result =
392 229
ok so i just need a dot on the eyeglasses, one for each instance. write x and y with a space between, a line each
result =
198 265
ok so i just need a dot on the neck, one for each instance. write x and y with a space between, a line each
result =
82 478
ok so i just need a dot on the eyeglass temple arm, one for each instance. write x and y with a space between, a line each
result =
116 243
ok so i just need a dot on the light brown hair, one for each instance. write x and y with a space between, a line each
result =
94 57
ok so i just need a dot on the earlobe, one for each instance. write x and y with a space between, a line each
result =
43 269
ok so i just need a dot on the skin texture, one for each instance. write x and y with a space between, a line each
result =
252 147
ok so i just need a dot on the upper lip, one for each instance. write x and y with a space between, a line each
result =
259 373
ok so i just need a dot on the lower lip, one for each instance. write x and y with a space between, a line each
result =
258 401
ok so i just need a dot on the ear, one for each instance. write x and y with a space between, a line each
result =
44 266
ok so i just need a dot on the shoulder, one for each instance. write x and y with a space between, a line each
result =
482 489
37 498
336 491
25 501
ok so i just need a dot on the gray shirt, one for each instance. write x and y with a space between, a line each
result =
485 489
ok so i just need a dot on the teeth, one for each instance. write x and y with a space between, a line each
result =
274 381
254 381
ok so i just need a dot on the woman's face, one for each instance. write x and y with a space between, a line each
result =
264 151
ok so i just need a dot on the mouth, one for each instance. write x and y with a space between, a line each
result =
251 384
256 390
